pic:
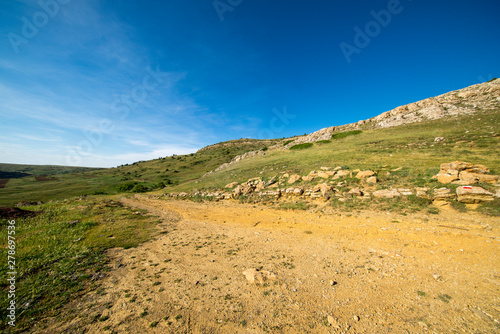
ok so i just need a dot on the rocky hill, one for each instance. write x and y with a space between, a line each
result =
469 100
464 101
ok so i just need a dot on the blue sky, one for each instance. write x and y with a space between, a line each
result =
102 83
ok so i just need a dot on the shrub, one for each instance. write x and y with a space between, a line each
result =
125 187
346 134
301 146
139 188
323 141
287 142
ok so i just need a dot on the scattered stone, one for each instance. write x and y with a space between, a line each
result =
261 185
365 174
343 173
386 193
231 185
443 193
422 192
439 139
356 318
323 175
372 179
326 168
464 173
473 195
298 191
294 178
405 191
355 192
437 277
259 276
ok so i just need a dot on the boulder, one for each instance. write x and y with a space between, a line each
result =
231 185
473 195
386 193
365 174
372 179
294 178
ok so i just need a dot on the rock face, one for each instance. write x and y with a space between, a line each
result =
323 134
473 195
464 173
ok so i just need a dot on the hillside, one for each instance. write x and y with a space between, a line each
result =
368 225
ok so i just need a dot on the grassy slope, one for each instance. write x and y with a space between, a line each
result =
468 138
57 261
176 169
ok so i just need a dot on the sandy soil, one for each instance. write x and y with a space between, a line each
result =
369 272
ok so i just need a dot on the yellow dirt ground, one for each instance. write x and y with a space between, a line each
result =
370 272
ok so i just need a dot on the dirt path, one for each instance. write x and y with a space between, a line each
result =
368 273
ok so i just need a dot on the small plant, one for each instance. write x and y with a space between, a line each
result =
153 324
421 293
103 318
445 298
178 316
433 211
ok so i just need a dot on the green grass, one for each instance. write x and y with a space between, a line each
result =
58 261
341 135
301 146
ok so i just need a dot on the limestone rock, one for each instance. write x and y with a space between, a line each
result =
443 193
259 276
325 189
372 179
365 174
405 191
231 185
294 178
473 195
386 193
298 191
422 192
323 175
355 192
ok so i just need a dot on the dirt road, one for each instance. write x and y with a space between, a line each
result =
369 272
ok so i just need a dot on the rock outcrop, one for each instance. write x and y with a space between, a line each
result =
464 173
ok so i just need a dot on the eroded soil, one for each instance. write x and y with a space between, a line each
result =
369 272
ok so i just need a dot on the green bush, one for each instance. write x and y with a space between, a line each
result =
301 146
126 186
323 142
346 134
139 188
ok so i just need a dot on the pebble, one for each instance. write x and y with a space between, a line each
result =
356 318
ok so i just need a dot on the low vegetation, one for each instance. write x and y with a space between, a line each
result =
60 252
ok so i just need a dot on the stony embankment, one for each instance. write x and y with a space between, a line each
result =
343 184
